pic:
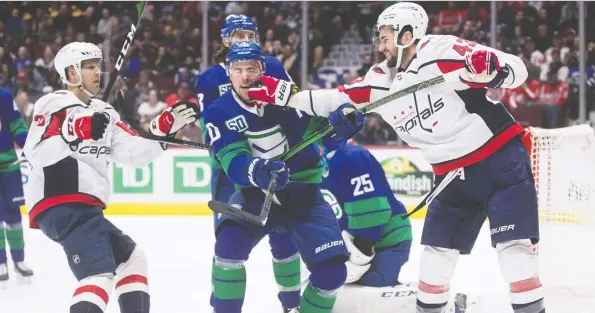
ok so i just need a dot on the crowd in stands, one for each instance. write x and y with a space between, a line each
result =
166 55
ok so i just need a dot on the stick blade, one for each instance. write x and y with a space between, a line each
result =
224 208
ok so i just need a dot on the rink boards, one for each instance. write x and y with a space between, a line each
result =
178 183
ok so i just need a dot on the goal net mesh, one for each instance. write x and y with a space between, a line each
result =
563 164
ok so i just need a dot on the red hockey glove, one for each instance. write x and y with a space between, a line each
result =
84 126
483 70
173 119
271 90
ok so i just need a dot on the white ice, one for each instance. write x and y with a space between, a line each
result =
179 249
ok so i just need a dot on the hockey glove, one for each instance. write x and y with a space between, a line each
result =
346 120
260 172
84 126
173 119
483 70
271 90
358 263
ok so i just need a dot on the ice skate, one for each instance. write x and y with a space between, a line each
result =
24 273
3 276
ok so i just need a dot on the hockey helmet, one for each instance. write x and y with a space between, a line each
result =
398 16
238 22
244 51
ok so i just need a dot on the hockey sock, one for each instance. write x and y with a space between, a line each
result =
132 286
287 275
232 247
229 285
2 245
92 294
321 293
14 235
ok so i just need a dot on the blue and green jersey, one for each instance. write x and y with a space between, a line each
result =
355 186
12 129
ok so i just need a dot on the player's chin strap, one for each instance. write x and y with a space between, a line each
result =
400 49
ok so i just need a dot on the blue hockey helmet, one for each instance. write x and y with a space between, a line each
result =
235 22
245 51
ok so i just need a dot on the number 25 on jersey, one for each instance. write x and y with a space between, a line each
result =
363 184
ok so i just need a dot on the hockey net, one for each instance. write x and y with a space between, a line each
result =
563 164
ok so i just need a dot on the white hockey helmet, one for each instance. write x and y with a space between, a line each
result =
398 16
73 54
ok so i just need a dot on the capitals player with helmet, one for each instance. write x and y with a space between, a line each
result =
245 140
471 141
212 84
70 144
376 235
12 129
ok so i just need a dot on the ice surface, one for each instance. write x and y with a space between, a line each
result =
179 250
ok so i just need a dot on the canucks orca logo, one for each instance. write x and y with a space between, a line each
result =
330 198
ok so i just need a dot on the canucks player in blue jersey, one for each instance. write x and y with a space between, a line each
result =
213 83
376 235
245 138
12 129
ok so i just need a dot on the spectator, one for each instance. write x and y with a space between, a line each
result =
449 19
105 23
526 94
22 60
289 59
152 107
367 64
142 87
45 64
183 92
543 39
536 57
554 65
25 107
375 131
552 95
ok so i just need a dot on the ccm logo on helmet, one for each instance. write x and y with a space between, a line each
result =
93 150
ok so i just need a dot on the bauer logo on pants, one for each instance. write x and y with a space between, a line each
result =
192 174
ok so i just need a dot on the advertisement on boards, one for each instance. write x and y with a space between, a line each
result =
179 182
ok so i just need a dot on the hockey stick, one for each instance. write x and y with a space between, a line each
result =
435 191
221 207
114 76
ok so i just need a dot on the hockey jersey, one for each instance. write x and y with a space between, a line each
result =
212 84
355 186
12 129
453 125
239 132
63 173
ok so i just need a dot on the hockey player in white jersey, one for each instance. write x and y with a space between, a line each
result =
472 143
71 142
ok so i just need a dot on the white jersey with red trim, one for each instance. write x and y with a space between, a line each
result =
453 125
63 173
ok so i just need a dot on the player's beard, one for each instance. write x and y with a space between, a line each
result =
392 61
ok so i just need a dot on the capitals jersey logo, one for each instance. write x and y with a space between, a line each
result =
419 116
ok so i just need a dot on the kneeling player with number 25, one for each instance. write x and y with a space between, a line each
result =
376 235
71 142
